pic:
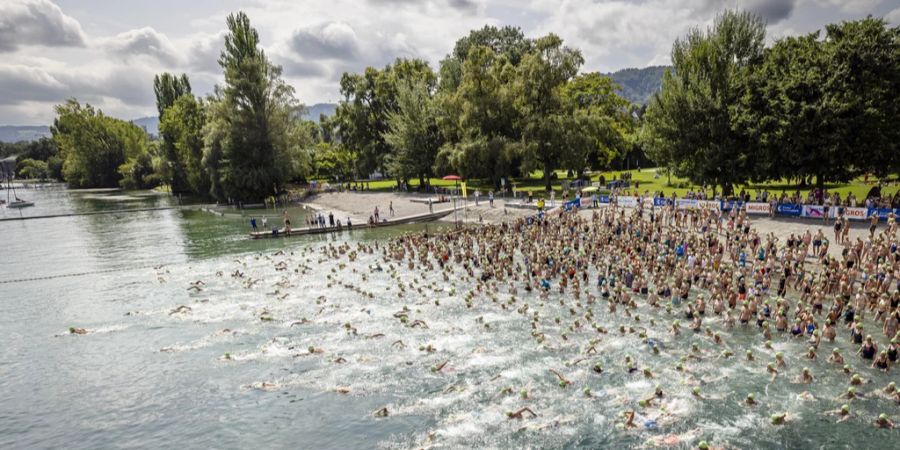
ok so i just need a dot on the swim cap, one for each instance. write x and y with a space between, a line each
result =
882 416
643 403
703 445
846 366
811 349
695 390
751 396
835 350
851 390
855 376
749 352
892 384
845 407
806 370
779 355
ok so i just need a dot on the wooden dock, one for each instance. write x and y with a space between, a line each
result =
426 217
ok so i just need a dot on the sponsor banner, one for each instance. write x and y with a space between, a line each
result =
661 201
604 199
710 204
627 202
788 209
814 211
686 203
758 208
729 205
881 212
856 213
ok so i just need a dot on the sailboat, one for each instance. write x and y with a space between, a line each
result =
18 203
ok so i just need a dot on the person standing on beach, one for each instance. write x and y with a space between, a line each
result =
376 214
253 224
430 205
331 219
391 206
265 222
491 198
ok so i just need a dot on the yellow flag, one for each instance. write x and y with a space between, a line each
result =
463 184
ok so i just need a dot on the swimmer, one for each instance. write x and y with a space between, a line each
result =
883 422
805 376
843 413
836 357
778 419
750 400
76 330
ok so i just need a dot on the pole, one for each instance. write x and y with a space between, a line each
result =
455 218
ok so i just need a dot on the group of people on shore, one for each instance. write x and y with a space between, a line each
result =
706 268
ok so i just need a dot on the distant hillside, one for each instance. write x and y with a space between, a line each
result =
313 112
150 124
638 85
10 133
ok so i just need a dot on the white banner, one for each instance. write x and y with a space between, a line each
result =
758 208
856 213
710 204
627 202
686 203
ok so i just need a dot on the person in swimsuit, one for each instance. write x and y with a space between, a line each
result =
881 362
868 349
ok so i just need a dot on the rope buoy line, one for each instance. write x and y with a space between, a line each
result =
76 274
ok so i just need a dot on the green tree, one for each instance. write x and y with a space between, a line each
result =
32 169
697 108
96 149
541 76
413 134
168 89
182 124
251 129
334 161
596 122
368 99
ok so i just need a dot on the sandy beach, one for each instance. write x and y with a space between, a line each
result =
360 205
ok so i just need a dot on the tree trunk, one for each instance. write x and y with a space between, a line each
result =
547 172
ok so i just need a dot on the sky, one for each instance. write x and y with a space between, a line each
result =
106 52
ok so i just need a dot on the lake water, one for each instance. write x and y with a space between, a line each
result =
151 375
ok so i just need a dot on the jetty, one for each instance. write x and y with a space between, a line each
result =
415 218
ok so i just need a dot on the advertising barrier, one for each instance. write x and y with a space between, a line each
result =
686 203
856 213
758 208
603 199
710 204
787 209
627 202
813 211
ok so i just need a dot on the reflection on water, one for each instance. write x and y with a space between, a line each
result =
153 369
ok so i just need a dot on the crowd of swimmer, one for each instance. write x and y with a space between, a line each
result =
699 265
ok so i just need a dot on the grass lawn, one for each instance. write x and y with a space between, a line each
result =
646 180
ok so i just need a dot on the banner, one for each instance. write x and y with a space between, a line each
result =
814 211
758 208
788 209
627 202
604 199
882 213
660 201
856 213
686 203
710 204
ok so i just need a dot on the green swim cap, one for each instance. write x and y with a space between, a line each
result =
643 403
855 376
749 352
779 355
835 350
851 390
845 407
811 349
703 445
806 370
882 416
846 366
751 396
892 384
695 390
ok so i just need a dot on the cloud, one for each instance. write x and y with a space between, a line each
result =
773 11
334 40
37 22
203 55
467 6
856 6
893 17
20 84
303 69
143 42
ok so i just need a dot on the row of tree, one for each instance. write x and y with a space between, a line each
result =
502 105
811 107
499 106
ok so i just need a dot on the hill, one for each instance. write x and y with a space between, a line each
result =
313 112
638 85
11 133
150 124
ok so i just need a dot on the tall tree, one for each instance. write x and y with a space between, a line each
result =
182 124
541 76
695 112
255 119
168 89
413 133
